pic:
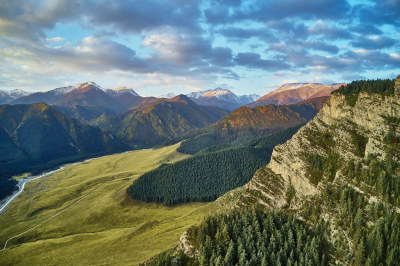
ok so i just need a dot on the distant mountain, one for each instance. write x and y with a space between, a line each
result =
86 95
33 135
222 98
159 120
246 123
168 95
121 91
126 97
292 93
9 96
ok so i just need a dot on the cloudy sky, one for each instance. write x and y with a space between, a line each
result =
160 46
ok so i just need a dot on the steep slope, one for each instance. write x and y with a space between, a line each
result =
295 92
222 98
152 123
33 135
245 124
341 172
85 114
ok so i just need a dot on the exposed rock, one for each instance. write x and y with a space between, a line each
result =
186 247
337 123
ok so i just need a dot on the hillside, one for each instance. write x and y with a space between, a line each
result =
34 135
339 174
155 122
101 218
208 175
85 114
292 93
245 124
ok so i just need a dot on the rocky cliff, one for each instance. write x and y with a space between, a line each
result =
339 131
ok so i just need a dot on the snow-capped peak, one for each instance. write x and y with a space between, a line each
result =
62 90
168 95
88 83
224 95
18 93
120 91
218 92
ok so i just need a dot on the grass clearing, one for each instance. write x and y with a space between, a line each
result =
106 227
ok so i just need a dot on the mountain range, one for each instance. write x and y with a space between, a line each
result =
156 121
118 100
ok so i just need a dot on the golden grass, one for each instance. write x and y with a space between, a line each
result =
104 228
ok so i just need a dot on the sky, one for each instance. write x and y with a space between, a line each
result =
162 46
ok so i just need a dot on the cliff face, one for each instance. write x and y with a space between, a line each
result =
340 132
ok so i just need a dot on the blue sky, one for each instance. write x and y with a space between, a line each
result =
160 46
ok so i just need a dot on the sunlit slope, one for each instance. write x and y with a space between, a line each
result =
105 227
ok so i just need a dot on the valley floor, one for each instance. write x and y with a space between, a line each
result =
91 220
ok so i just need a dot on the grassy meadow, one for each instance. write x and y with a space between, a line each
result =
101 228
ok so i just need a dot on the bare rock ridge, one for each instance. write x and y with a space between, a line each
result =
292 93
334 126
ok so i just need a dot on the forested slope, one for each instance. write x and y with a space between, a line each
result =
206 176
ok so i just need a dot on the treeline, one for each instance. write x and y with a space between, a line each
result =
379 86
212 137
206 176
253 237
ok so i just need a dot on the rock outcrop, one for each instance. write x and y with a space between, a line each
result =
340 131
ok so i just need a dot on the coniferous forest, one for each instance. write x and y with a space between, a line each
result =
206 176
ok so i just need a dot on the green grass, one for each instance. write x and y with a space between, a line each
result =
106 227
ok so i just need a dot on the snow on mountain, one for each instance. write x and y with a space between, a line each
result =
224 95
121 91
168 95
9 96
62 90
18 93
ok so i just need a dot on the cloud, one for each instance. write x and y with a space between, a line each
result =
253 60
277 10
374 42
139 16
28 20
188 39
329 31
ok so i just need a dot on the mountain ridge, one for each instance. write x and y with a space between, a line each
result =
292 93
